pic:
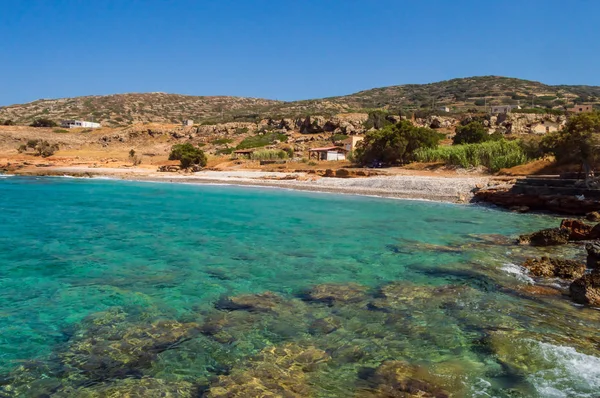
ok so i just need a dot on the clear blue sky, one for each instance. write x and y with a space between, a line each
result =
286 49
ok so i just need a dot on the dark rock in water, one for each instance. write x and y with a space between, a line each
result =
32 379
332 293
107 350
400 379
555 268
324 325
578 230
593 254
263 302
278 371
593 216
145 387
595 232
546 237
586 290
398 295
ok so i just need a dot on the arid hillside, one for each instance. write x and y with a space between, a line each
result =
460 95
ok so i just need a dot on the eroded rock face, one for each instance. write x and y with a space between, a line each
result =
400 379
546 237
578 230
333 293
555 268
586 290
593 255
278 371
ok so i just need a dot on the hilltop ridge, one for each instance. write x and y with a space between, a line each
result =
461 95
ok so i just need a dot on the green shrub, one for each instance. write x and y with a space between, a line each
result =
221 141
60 131
269 154
339 137
40 147
395 144
224 151
494 155
188 155
473 133
241 130
312 163
377 120
258 141
8 123
43 122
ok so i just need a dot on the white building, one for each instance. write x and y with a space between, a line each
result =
444 108
188 122
69 124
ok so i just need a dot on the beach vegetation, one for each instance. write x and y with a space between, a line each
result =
260 140
473 133
188 155
578 142
494 155
395 144
43 122
40 148
269 154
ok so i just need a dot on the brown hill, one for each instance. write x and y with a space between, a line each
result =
458 94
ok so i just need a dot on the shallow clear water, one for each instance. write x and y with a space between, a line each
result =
77 255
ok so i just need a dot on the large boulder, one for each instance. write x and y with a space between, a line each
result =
578 230
546 237
593 216
595 232
586 290
555 268
593 255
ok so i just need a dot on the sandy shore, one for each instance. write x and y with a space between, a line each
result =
454 189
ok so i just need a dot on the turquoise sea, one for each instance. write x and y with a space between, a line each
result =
108 287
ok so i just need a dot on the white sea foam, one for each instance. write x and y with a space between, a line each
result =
569 373
518 272
6 175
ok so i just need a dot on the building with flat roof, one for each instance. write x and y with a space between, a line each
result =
328 153
69 124
581 108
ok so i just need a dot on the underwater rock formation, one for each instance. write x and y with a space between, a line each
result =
278 371
399 379
144 387
554 268
333 293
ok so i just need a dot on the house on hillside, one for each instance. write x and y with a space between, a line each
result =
188 122
545 126
350 142
497 109
581 108
444 109
328 153
69 124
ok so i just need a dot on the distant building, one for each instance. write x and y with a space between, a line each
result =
545 126
328 153
503 108
188 122
350 142
69 124
444 108
581 108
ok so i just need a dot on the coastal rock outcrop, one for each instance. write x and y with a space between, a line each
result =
555 268
546 237
593 216
578 230
593 255
586 290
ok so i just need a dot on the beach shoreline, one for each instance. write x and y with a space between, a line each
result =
455 189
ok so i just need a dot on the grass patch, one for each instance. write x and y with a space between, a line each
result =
221 141
494 155
258 141
224 151
269 154
60 131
